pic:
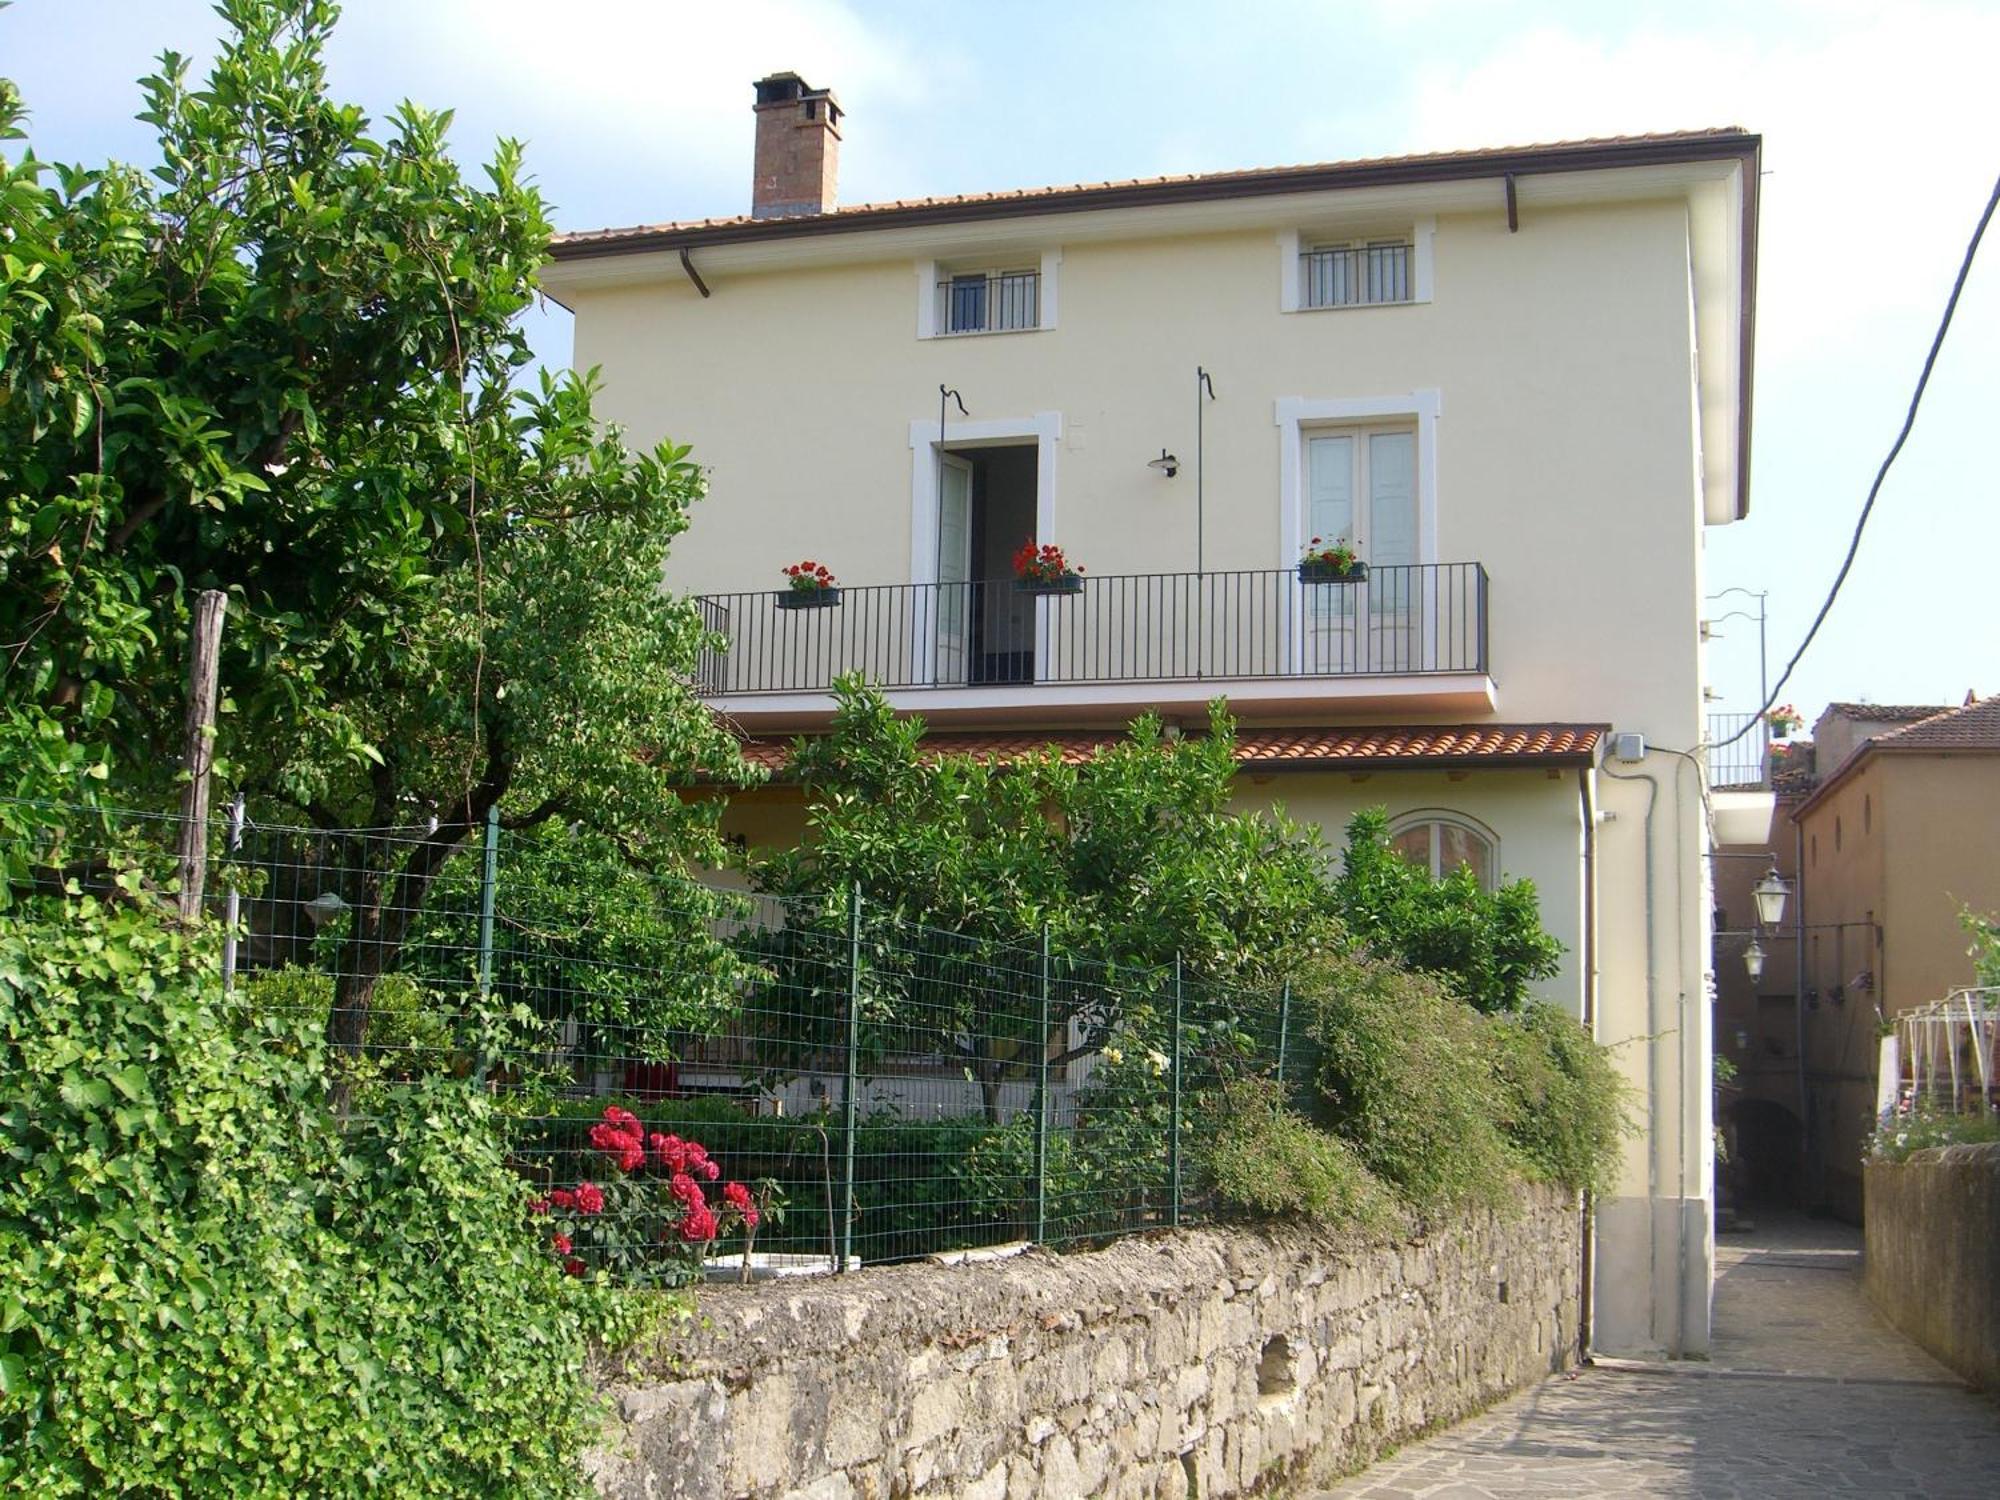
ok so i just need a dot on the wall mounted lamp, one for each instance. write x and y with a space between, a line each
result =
1166 463
1771 892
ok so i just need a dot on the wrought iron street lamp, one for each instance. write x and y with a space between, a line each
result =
1771 892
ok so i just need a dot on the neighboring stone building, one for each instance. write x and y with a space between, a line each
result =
1515 380
1899 834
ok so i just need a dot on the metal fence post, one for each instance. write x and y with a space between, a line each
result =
488 878
1042 1102
1284 1027
233 903
847 1092
1174 1111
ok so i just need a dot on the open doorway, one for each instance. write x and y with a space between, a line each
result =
986 508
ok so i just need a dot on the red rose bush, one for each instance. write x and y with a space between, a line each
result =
651 1220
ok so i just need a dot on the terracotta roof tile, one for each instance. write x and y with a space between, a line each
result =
1193 180
1423 745
1973 727
1886 713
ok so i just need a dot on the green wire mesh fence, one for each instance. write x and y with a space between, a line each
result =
852 1085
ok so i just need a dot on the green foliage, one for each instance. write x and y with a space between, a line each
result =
207 1287
1984 949
282 365
1404 1076
1486 947
1264 1159
1926 1126
1560 1101
1123 863
415 1030
586 932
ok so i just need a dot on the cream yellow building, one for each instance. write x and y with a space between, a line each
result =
1516 382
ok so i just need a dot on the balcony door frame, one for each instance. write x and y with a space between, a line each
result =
1044 430
1299 418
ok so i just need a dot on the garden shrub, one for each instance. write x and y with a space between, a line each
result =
1404 1076
1485 947
411 1029
207 1287
1262 1158
1926 1126
1559 1101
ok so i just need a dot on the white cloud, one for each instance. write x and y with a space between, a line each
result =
1878 141
643 106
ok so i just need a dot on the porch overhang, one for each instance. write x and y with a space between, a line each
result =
1267 748
1118 703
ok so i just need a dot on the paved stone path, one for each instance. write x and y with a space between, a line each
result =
1809 1394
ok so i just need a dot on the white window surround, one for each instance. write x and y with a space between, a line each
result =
928 276
1044 429
1291 241
1299 416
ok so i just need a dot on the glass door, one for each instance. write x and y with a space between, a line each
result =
1361 488
954 570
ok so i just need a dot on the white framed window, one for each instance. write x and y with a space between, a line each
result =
1361 488
1439 842
965 296
1391 445
1318 270
1354 273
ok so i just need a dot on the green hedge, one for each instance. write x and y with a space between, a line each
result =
207 1287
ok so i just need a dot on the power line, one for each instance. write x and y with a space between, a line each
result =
1909 421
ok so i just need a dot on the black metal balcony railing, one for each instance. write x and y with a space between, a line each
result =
1144 627
1356 276
1747 762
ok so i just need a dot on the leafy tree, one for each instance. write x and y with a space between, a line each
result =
963 866
282 365
1485 947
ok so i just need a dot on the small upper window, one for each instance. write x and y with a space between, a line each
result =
989 301
1357 273
1442 842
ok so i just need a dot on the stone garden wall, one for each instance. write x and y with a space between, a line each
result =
1203 1362
1933 1253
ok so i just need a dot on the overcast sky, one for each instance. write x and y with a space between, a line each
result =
1881 125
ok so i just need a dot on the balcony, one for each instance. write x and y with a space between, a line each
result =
1405 639
1739 763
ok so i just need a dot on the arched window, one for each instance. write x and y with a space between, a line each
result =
1439 842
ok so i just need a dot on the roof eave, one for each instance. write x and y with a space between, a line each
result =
1529 161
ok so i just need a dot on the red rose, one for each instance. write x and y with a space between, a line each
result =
574 1266
562 1244
539 1206
698 1227
589 1198
563 1198
736 1195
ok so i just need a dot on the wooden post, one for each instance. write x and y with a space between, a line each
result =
204 658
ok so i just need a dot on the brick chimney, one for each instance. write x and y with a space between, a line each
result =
798 147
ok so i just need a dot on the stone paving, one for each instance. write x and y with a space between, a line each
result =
1809 1394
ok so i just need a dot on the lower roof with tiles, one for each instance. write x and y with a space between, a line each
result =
1408 747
